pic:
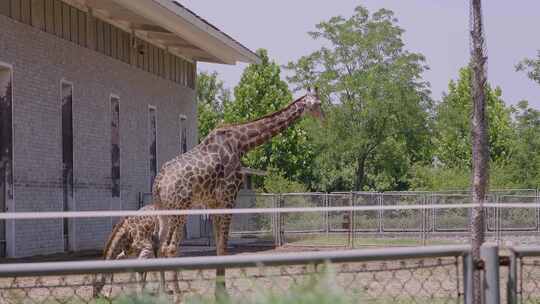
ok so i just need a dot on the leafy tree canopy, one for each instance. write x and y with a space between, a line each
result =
524 167
259 92
531 67
377 102
211 99
452 140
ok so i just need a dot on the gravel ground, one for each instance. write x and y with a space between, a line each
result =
408 281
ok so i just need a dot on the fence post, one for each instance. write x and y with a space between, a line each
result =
351 221
468 270
537 200
380 213
499 222
280 220
274 221
327 215
424 221
491 287
432 212
512 284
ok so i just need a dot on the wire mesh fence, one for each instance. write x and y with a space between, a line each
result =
378 224
427 275
524 275
317 219
399 227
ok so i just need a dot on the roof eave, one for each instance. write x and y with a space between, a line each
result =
184 23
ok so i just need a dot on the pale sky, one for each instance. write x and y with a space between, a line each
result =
436 28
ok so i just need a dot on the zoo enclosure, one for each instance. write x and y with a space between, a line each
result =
406 275
398 275
343 228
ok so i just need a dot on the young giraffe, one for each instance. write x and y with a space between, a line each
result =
209 175
135 236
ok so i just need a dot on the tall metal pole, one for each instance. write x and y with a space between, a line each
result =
480 149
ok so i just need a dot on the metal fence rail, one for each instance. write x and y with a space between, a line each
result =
344 228
418 227
381 219
439 274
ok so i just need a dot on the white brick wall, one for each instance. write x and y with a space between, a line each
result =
40 61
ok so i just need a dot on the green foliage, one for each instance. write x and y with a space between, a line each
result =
261 91
429 178
382 131
211 99
452 140
276 182
376 102
531 67
524 167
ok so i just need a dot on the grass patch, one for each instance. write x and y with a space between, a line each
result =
359 242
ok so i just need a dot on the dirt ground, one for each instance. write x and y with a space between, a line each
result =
187 250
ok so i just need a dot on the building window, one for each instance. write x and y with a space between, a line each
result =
115 145
183 133
67 154
6 149
152 132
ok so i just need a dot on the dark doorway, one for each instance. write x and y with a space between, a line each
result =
115 146
152 125
183 133
6 151
67 156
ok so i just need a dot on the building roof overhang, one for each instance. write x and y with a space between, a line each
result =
170 25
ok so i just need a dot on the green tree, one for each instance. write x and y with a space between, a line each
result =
376 100
531 67
524 167
452 139
211 99
275 182
259 92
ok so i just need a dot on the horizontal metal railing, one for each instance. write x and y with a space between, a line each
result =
232 261
414 275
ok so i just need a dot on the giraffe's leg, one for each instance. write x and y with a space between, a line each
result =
177 228
157 246
221 230
163 230
215 228
146 253
100 279
143 244
98 284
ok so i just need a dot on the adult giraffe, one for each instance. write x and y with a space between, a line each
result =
209 175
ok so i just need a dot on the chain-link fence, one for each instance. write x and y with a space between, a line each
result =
524 275
419 226
411 275
399 227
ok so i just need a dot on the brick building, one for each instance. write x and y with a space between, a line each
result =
94 96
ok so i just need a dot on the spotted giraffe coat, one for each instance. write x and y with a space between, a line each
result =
209 175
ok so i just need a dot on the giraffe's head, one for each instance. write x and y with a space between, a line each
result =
313 104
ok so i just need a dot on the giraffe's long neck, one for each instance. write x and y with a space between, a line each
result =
262 130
